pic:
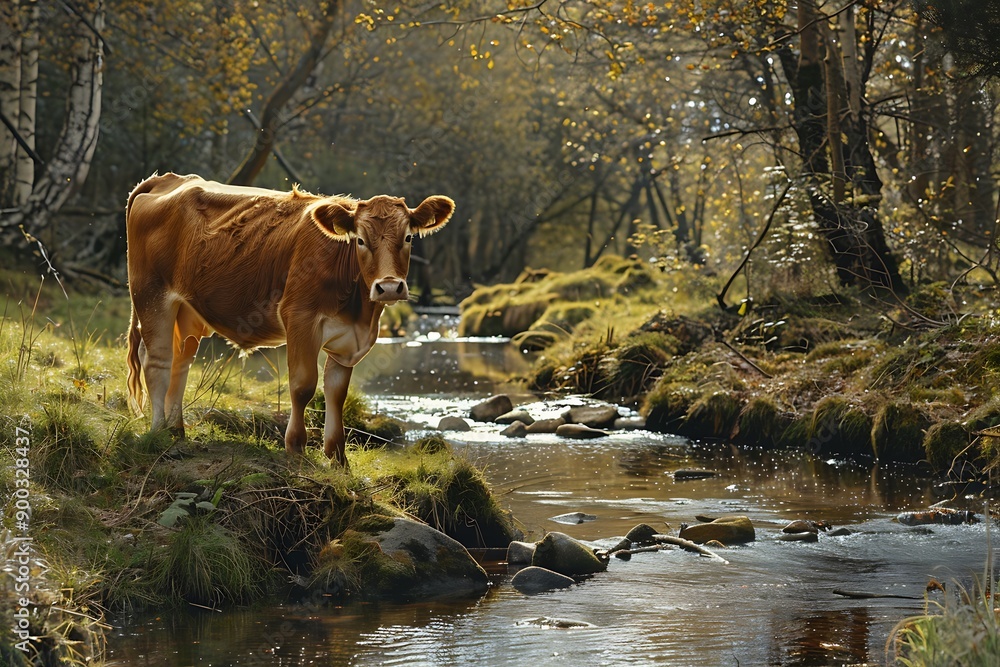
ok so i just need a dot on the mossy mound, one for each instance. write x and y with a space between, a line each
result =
447 492
550 301
634 366
838 427
712 416
898 433
944 443
761 423
667 404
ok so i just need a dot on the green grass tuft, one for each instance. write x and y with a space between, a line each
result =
206 564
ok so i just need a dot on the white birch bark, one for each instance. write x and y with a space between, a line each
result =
67 169
24 177
10 92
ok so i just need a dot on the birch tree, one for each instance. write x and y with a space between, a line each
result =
67 167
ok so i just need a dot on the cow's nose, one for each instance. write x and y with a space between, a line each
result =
389 290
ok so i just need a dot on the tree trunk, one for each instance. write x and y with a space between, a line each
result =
24 179
10 95
851 227
68 167
271 117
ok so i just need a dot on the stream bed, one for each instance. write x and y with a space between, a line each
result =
772 604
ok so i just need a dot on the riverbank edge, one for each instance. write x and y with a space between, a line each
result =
833 374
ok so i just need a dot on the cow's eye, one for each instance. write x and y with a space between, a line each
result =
407 238
361 242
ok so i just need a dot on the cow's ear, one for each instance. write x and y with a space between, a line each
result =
334 219
432 214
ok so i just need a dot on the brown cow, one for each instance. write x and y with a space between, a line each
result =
263 268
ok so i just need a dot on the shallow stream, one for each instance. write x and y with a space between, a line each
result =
772 604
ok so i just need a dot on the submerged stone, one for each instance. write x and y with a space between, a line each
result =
939 515
532 580
629 424
641 534
806 526
798 537
686 473
555 623
580 432
573 518
520 553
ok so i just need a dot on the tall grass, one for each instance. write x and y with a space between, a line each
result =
963 631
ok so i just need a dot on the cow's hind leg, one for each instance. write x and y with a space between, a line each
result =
188 332
336 380
157 353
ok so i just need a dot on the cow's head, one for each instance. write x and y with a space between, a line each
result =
382 229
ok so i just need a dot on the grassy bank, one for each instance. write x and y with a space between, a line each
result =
123 520
835 374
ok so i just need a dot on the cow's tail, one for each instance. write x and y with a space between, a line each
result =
136 390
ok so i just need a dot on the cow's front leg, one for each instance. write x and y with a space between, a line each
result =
336 380
302 377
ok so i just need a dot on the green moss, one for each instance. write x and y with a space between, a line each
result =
550 300
667 404
444 490
353 564
796 435
760 423
635 364
838 427
712 416
944 442
635 279
384 430
565 316
898 433
985 416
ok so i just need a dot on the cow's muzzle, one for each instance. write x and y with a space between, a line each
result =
389 290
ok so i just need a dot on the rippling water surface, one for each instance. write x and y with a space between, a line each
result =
772 604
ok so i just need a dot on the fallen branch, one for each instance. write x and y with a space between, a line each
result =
744 358
688 545
861 595
625 554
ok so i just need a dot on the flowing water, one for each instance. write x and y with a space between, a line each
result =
772 604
